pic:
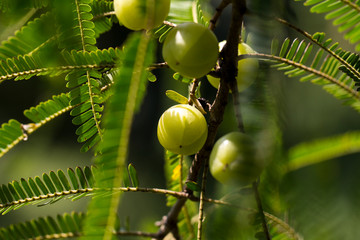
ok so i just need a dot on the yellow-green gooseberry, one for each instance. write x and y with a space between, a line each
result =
247 68
182 129
141 14
191 49
233 160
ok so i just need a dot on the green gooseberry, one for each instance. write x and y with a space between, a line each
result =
182 129
141 14
191 49
233 161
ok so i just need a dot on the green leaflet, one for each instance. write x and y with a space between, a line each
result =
36 35
333 68
67 225
102 23
48 110
129 89
76 29
309 153
13 132
11 5
10 134
46 189
345 14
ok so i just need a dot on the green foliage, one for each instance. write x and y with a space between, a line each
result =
76 30
46 111
47 189
10 134
12 5
102 24
323 69
309 153
129 90
28 40
345 15
105 89
62 226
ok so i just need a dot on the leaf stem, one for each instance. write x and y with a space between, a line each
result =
351 91
332 53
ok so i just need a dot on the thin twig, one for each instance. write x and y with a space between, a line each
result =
169 24
261 210
218 13
53 69
158 66
201 204
106 14
192 96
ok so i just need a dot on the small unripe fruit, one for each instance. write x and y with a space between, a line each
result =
141 14
247 68
233 161
191 49
182 129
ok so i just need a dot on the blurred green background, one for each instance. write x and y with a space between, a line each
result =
321 198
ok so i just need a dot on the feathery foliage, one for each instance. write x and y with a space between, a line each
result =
129 90
48 110
345 15
13 5
37 35
62 226
324 68
76 30
60 40
10 134
47 189
102 23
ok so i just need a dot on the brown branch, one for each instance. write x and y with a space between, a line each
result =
228 74
231 50
218 13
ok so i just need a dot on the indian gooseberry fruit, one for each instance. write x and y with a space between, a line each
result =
191 49
247 68
182 129
141 14
233 161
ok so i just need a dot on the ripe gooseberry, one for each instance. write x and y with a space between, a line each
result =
182 129
247 68
191 49
141 14
232 159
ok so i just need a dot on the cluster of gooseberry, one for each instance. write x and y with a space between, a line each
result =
192 50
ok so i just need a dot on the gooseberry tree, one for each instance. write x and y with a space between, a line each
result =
228 170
